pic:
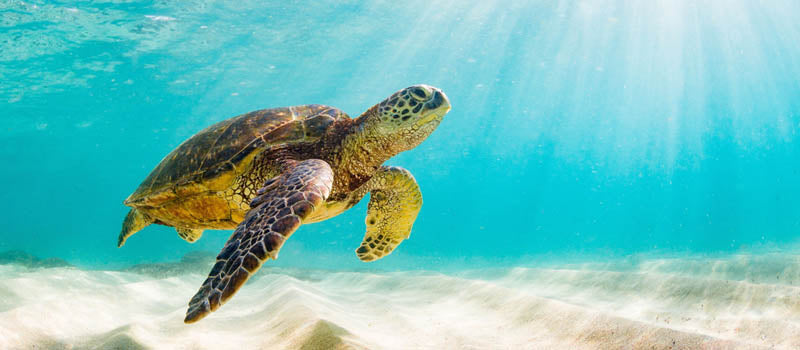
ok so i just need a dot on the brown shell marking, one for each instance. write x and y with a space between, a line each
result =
210 160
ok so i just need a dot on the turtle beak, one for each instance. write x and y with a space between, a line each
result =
437 106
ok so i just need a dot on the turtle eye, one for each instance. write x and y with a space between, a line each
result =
419 93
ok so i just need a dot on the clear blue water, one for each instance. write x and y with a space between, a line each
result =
578 128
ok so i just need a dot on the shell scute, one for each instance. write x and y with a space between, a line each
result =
210 160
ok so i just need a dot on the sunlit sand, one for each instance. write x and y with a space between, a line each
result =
736 302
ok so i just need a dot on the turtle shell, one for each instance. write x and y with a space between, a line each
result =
209 160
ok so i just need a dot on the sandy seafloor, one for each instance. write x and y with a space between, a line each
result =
730 302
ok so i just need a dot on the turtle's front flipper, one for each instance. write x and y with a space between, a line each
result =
393 207
282 205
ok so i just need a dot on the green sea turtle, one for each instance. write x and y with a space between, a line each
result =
267 172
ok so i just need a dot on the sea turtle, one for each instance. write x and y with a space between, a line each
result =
266 172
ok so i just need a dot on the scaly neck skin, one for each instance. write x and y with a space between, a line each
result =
357 150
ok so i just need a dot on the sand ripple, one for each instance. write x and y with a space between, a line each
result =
731 303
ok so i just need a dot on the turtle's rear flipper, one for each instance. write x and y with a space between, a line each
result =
134 222
279 209
190 235
395 200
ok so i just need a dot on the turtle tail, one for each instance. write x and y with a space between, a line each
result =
134 222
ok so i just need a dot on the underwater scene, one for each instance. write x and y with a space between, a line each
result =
599 174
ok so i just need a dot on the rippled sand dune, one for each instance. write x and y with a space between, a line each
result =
739 302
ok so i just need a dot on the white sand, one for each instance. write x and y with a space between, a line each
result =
742 302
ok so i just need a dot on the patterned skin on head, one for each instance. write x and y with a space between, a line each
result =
410 115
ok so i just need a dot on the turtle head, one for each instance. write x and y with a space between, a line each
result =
408 116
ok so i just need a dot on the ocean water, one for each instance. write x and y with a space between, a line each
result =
619 161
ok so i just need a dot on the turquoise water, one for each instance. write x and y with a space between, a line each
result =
591 128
